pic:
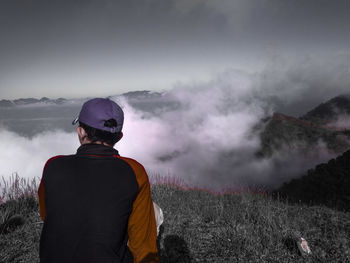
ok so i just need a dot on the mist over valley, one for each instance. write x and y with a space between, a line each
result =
228 132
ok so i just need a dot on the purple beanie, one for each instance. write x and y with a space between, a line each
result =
96 112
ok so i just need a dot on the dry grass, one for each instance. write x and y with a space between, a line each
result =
251 228
200 226
16 187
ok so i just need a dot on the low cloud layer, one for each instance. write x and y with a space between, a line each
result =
209 122
205 133
27 156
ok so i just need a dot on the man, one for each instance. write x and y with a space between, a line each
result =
95 204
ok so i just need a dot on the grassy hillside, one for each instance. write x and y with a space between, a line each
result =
203 227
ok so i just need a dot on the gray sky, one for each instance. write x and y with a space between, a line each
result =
103 47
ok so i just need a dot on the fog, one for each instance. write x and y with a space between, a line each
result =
27 156
342 122
204 133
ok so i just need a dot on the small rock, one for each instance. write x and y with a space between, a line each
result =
303 247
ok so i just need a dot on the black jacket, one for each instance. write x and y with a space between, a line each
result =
92 202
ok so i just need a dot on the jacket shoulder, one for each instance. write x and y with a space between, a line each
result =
139 170
52 160
132 162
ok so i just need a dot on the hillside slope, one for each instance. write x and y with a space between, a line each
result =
328 184
326 126
283 131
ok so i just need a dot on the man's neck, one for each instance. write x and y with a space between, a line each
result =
97 142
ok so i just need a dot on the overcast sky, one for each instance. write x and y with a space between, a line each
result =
104 47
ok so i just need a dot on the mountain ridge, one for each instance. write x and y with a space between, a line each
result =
326 112
131 95
29 101
306 133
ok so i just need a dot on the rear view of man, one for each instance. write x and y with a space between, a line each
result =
95 204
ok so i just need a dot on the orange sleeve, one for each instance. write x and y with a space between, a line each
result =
41 195
41 191
142 228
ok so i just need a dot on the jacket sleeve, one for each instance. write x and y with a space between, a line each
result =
41 197
142 228
41 191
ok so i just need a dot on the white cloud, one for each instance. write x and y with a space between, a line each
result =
206 136
28 156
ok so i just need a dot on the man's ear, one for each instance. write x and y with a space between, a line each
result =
81 132
82 135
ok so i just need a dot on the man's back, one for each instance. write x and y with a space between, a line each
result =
86 200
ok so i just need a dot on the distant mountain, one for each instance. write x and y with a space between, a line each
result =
25 101
329 111
28 101
6 103
283 131
317 127
144 94
135 97
328 184
149 102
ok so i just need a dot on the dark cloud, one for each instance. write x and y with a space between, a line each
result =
72 47
298 86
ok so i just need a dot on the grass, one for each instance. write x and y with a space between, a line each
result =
200 226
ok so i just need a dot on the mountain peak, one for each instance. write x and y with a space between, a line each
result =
330 110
